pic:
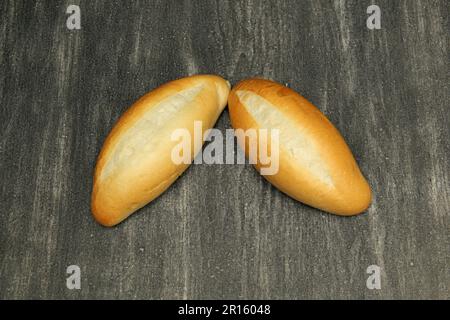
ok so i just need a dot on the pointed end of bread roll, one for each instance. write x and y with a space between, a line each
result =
103 212
135 165
355 200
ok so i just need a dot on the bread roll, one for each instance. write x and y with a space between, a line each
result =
316 166
135 166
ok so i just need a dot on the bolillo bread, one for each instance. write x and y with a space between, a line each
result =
316 166
135 166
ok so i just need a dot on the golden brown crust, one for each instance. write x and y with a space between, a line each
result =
337 186
123 184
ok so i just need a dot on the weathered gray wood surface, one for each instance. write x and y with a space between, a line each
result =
223 231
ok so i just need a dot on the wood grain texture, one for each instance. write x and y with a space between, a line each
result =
221 231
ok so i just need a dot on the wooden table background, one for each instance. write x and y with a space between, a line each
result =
221 231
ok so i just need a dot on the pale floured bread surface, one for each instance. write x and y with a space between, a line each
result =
135 166
316 166
149 132
296 142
